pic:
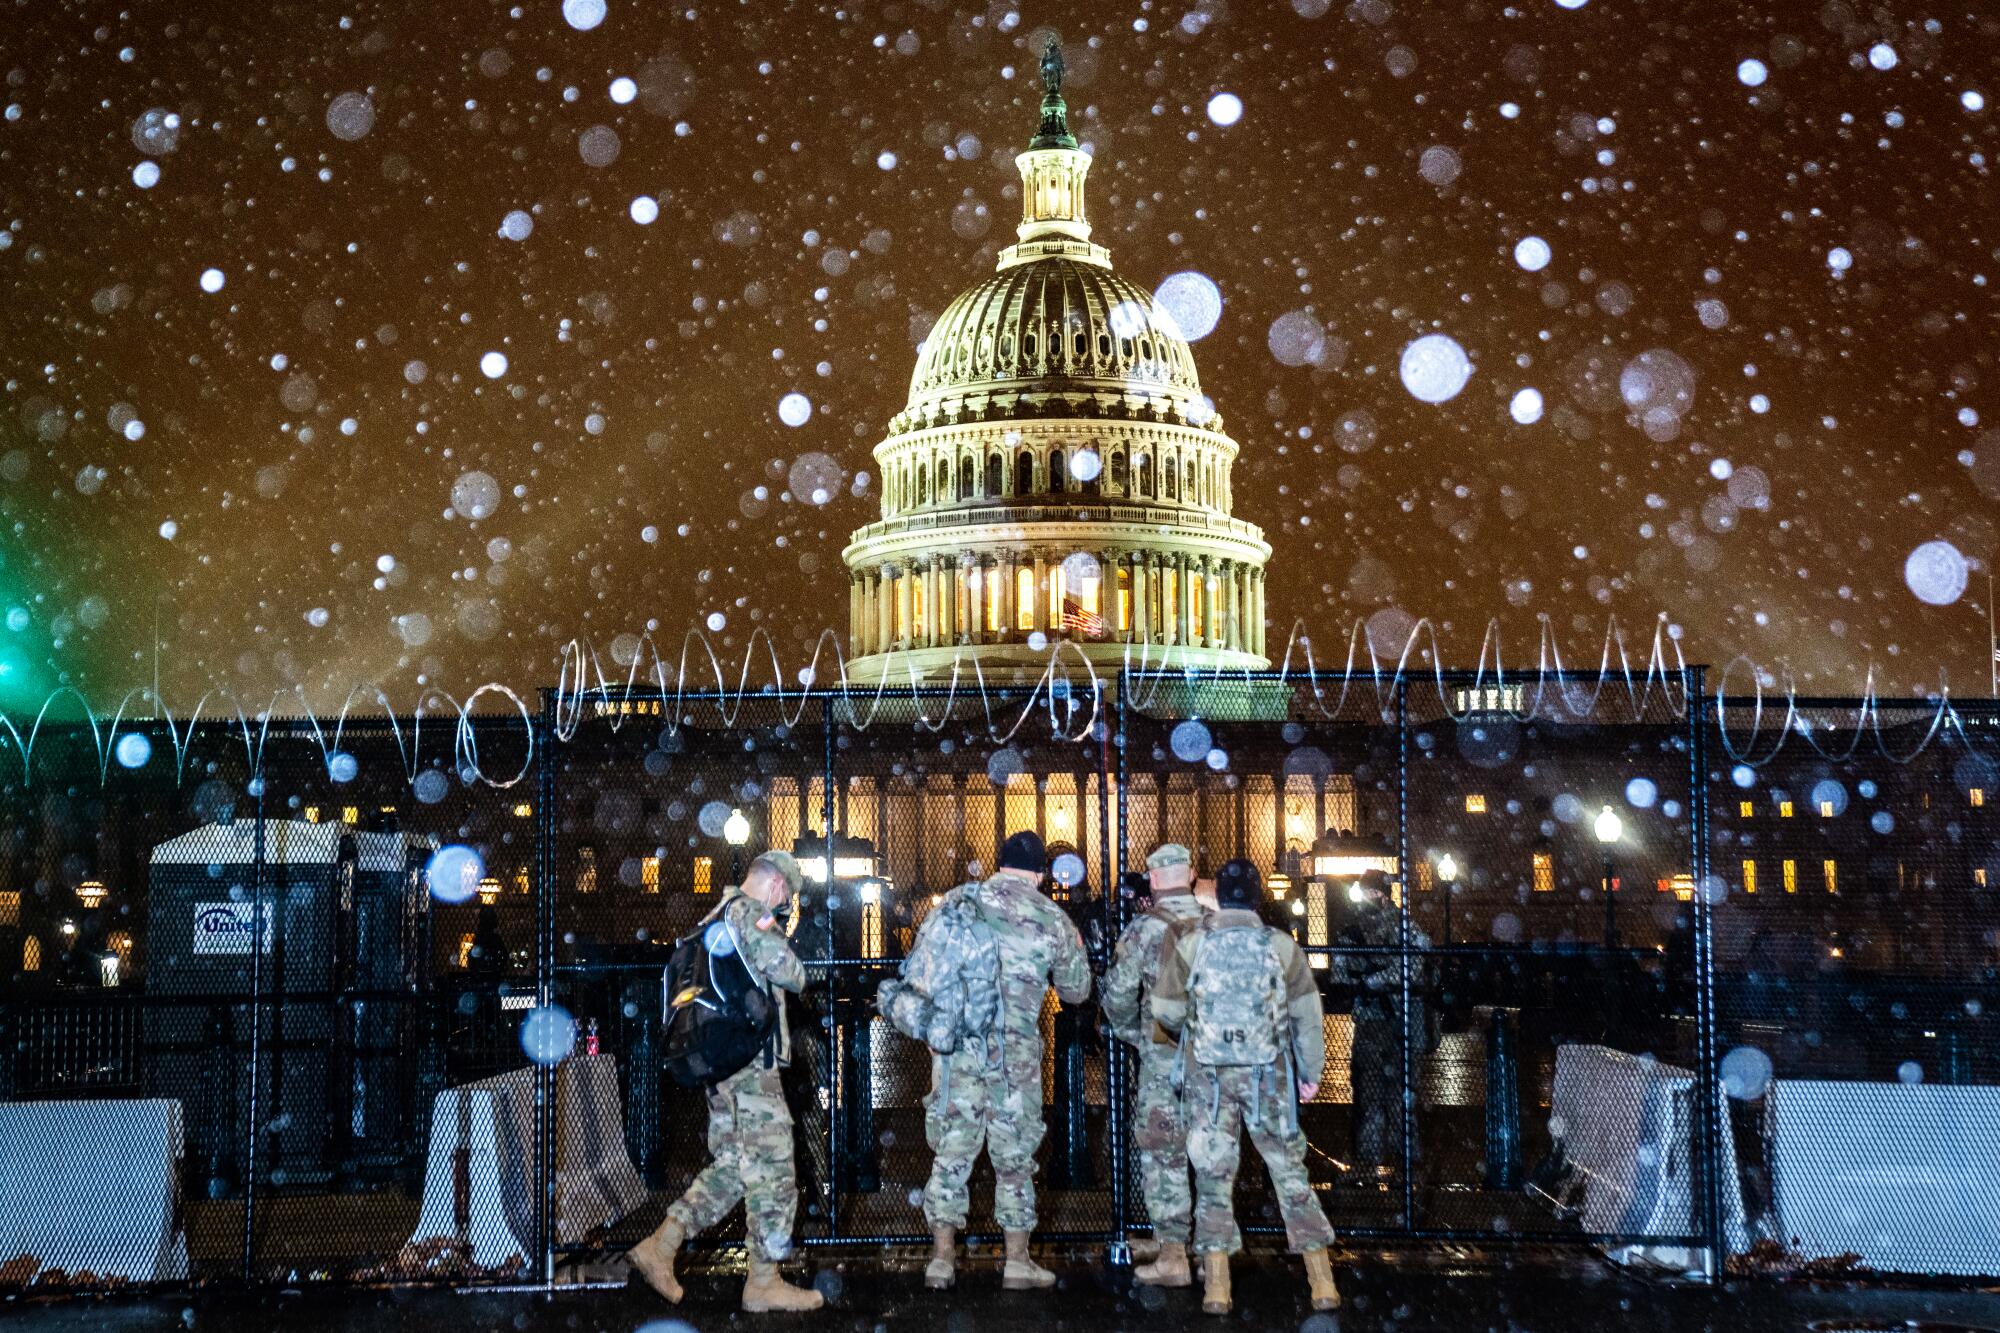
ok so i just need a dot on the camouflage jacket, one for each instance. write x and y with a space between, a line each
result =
1039 948
769 955
1135 967
1171 1000
1378 977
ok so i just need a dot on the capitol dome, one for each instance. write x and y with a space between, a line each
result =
1057 474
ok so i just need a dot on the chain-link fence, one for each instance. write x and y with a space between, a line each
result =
293 1002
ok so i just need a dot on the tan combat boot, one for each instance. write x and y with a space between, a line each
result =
653 1259
1319 1272
1145 1251
1215 1282
766 1290
942 1270
1020 1273
1169 1270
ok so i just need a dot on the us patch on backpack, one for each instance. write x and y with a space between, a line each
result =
947 991
1237 987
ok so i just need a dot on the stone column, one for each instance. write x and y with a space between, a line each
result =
885 609
904 623
1038 615
1236 606
1141 620
1182 583
1006 569
975 598
1257 613
854 648
933 602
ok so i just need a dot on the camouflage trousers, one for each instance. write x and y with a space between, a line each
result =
750 1144
970 1103
1160 1133
1375 1069
1221 1102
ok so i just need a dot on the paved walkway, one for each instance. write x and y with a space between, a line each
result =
1403 1292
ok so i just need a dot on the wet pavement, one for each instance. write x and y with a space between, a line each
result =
1403 1291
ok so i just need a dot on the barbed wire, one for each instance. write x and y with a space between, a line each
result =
1067 689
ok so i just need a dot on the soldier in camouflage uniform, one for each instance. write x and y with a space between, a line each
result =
990 1092
1248 1009
1159 1120
1375 1061
749 1124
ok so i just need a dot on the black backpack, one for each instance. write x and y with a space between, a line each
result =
717 1017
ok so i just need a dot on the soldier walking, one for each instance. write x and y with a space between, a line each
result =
989 1091
1159 1118
749 1124
1248 1013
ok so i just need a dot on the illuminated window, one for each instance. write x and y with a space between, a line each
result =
1545 872
1749 877
1784 809
649 874
1978 795
31 954
1826 809
1475 803
1747 809
1058 583
350 814
312 814
1024 597
990 598
586 875
523 810
704 871
1831 874
1791 873
10 908
1423 876
521 885
465 950
1979 876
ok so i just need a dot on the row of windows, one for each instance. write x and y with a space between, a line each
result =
1082 604
1190 481
1475 804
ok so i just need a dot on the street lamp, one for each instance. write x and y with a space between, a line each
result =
736 832
1447 870
1609 828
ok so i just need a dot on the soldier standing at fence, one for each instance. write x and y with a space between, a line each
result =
749 1124
1159 1119
991 1092
1248 1012
1375 1061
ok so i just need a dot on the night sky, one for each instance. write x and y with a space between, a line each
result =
1765 337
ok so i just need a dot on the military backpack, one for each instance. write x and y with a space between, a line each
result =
717 1014
947 992
1236 987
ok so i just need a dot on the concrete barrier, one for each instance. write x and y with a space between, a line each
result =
484 1167
1625 1126
92 1187
1902 1175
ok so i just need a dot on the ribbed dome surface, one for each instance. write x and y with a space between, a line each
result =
1053 319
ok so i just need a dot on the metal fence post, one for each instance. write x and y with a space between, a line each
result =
252 1109
1708 1183
829 806
1117 1061
1403 929
545 945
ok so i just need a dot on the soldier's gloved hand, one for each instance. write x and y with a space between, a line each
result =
1307 1091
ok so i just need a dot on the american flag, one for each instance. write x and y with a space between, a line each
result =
1079 621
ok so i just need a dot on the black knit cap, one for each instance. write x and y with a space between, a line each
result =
1237 884
1024 851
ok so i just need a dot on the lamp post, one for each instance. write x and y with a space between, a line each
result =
1609 828
1447 870
736 832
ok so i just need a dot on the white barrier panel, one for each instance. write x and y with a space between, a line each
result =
93 1187
484 1164
1907 1176
1625 1124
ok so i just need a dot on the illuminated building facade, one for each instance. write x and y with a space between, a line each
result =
1057 474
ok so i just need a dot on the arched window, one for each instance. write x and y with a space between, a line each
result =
942 490
996 485
923 485
965 479
1142 467
1117 470
1024 474
1058 472
1167 486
